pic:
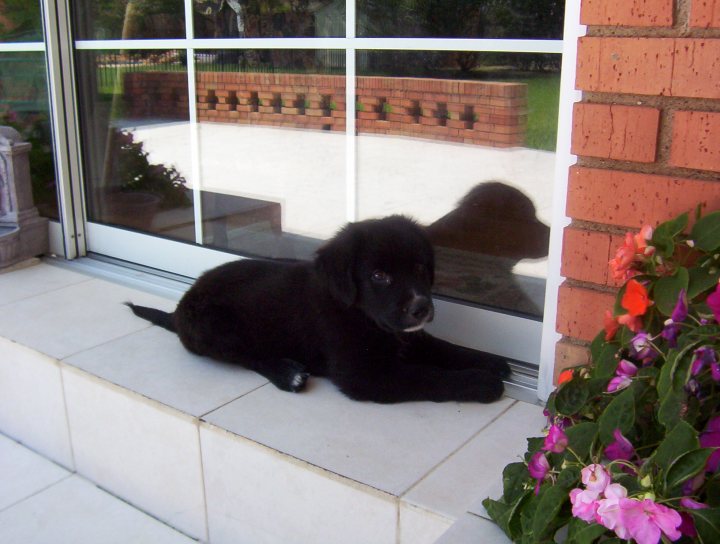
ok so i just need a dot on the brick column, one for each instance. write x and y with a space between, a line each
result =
647 137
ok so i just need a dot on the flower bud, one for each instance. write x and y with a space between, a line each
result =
646 482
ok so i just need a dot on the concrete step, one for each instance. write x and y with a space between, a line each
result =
217 453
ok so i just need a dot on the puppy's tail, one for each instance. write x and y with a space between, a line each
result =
154 316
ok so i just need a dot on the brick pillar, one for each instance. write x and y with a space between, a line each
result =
647 137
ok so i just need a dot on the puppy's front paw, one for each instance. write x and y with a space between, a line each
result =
298 381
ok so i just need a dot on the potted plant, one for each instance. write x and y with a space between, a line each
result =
139 188
631 451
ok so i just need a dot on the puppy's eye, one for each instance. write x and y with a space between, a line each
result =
381 277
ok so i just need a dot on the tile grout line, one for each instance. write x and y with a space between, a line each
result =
461 446
44 293
67 416
202 481
70 474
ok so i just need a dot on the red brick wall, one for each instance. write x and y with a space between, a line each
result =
485 113
647 137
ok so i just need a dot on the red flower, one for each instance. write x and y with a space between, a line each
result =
611 326
565 376
635 299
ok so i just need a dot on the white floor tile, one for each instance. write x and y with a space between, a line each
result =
24 473
154 363
418 526
35 280
389 447
139 450
32 406
258 496
470 529
65 321
476 470
74 511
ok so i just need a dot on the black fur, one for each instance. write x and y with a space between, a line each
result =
354 315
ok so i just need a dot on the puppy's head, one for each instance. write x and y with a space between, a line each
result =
384 267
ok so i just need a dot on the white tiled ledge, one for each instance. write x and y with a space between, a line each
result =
219 454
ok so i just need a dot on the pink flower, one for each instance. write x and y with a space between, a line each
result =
687 527
584 504
713 301
595 478
608 510
621 448
556 441
646 521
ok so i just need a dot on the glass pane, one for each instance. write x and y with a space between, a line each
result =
539 19
24 106
272 149
470 155
128 19
136 140
274 19
20 21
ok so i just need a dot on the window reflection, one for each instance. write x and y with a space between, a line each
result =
469 154
128 19
269 18
24 106
20 21
539 19
132 105
272 149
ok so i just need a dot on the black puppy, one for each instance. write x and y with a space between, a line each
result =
355 315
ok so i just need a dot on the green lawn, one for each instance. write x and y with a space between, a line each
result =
543 103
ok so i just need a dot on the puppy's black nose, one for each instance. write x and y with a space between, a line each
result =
419 307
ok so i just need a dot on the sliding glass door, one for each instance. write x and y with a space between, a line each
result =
212 129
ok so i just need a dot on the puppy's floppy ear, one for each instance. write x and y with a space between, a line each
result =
335 264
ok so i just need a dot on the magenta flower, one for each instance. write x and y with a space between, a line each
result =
556 441
621 448
641 347
626 368
646 521
584 504
618 383
713 301
687 527
538 468
595 478
702 356
710 438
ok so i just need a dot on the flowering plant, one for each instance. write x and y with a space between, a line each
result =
632 447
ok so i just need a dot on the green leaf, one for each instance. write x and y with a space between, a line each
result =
707 523
702 279
686 466
681 439
670 409
706 232
581 437
581 532
499 512
551 500
663 236
571 397
605 363
619 414
514 476
569 477
667 289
